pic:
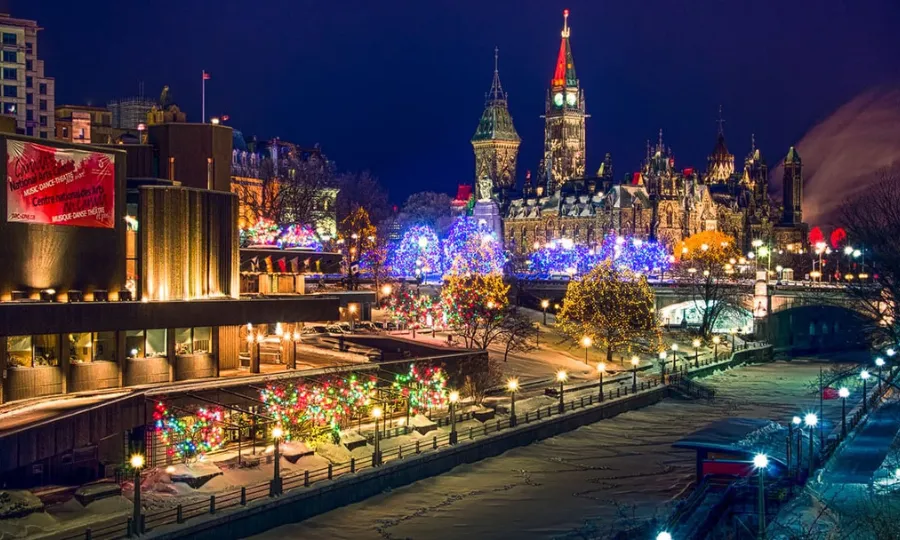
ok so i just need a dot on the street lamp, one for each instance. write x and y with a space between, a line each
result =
844 393
512 385
601 369
733 332
811 420
454 398
386 290
561 376
696 345
796 422
376 456
634 364
716 341
880 363
586 342
761 461
865 377
277 434
674 358
890 352
664 535
544 305
137 463
662 365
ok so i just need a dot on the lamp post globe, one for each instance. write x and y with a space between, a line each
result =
761 461
561 377
664 535
844 393
512 385
137 463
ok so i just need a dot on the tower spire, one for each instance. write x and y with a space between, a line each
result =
753 143
659 148
496 93
564 74
721 122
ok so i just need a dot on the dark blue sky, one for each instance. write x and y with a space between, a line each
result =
397 87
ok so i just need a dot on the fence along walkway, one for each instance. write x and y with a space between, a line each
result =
305 479
299 480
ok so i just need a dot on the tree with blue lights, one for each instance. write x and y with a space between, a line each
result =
470 249
417 254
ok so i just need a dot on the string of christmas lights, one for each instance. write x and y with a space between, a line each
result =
188 436
418 253
470 248
424 387
266 232
565 257
413 310
329 403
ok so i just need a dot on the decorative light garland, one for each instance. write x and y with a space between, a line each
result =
266 232
566 257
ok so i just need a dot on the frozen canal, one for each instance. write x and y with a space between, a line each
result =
582 484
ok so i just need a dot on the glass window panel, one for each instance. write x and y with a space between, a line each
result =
134 344
183 344
156 343
46 350
18 351
80 348
202 339
104 346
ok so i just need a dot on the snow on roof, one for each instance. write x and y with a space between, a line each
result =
738 435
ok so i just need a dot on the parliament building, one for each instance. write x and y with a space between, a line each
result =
658 202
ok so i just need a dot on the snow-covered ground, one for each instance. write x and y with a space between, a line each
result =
582 484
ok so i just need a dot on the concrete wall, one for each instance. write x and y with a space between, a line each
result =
195 366
146 371
816 328
98 375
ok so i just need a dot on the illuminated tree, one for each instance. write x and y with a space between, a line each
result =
705 263
614 307
418 253
471 249
411 309
475 305
189 435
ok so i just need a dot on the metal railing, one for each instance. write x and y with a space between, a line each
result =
304 479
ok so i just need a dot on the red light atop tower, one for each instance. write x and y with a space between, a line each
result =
565 13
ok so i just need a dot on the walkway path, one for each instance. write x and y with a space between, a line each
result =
864 453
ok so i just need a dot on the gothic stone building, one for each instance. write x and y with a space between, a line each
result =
658 202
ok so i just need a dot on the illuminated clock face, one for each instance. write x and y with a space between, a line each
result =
558 99
570 99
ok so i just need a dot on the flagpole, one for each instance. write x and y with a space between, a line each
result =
203 97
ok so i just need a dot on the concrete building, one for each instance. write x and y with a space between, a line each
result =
85 124
127 113
27 93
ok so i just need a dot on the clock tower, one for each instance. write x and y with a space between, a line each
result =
564 134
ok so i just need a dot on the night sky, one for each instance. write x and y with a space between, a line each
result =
397 87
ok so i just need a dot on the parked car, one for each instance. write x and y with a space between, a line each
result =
314 330
347 327
336 329
366 326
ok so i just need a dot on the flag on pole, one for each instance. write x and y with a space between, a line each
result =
206 76
830 393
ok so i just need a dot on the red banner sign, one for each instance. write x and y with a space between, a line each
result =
59 186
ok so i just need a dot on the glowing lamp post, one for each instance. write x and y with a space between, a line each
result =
880 363
664 535
662 365
844 394
890 352
544 305
716 341
811 420
277 434
601 369
796 421
137 463
865 377
634 364
674 358
454 399
561 377
761 461
733 332
586 342
696 345
376 456
513 386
